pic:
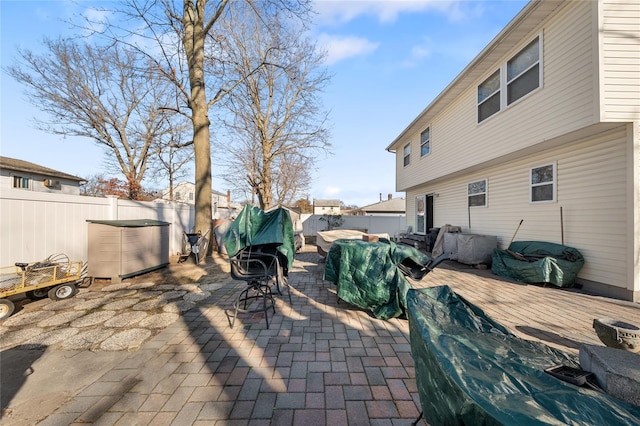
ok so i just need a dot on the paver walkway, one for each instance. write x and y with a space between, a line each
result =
321 362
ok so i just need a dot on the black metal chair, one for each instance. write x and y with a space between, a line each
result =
257 269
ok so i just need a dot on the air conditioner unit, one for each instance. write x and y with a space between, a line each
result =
49 183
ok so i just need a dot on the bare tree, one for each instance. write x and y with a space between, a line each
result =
107 94
177 37
274 124
171 155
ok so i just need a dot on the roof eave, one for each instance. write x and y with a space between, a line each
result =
458 84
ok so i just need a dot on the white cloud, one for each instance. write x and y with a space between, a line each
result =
96 19
331 191
338 48
423 50
339 12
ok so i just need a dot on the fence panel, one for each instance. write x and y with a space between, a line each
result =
34 225
392 225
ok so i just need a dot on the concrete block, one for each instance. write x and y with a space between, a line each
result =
617 371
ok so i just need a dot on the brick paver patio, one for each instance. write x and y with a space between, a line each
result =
321 362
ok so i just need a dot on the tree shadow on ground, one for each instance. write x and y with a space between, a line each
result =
548 336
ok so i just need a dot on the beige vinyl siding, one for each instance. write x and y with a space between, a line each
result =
633 204
565 102
591 179
620 61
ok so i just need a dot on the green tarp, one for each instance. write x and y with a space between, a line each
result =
367 274
255 227
545 262
470 370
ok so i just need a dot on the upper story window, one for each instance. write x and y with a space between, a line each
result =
523 72
20 182
477 193
407 154
425 142
191 196
489 97
516 78
543 183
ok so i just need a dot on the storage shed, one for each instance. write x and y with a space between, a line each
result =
120 249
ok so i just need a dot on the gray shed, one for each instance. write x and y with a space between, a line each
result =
123 248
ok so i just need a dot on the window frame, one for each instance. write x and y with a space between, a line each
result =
505 84
14 179
406 151
423 221
426 142
538 63
553 183
498 92
485 193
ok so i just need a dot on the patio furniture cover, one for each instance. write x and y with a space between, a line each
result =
367 274
545 263
255 227
472 370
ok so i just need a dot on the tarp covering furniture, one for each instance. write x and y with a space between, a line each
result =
472 370
255 227
538 262
260 246
367 274
325 239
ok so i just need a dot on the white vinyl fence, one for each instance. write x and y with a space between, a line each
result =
34 225
392 225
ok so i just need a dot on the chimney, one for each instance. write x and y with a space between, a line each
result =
228 197
389 196
381 197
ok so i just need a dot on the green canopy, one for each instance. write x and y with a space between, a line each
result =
472 370
368 276
255 227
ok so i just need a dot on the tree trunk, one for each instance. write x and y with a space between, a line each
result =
194 38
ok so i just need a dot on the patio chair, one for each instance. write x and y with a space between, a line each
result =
258 268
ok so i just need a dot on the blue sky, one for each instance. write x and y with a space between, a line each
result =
389 60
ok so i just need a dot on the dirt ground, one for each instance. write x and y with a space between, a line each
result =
213 268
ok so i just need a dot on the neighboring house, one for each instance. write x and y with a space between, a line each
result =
223 207
542 126
25 176
389 207
326 207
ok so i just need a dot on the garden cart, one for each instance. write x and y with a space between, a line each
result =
56 277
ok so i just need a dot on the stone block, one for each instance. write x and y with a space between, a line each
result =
617 371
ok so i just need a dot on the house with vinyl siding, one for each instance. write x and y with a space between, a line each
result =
543 127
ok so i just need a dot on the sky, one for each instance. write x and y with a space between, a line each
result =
388 60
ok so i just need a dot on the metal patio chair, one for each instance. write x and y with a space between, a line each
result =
258 268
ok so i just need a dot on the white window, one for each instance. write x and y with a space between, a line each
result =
519 76
407 154
420 214
20 182
543 183
489 97
477 193
425 142
523 72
